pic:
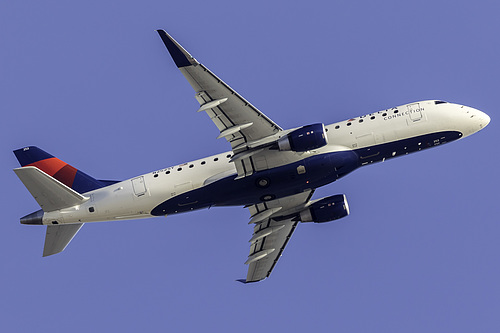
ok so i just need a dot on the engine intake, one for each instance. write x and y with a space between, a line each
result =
305 138
326 210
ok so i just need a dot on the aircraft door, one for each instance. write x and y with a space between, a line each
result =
139 186
414 112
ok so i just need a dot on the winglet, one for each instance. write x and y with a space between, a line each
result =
244 281
181 57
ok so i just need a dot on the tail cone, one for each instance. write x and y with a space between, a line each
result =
33 218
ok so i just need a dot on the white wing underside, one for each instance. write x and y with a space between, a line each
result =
237 120
272 233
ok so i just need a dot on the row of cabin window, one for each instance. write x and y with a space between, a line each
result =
361 120
192 165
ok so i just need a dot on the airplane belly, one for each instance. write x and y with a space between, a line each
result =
265 185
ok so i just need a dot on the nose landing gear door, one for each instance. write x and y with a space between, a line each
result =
414 112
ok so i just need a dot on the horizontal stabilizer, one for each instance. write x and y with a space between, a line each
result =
58 237
50 193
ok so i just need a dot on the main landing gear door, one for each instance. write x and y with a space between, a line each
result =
414 112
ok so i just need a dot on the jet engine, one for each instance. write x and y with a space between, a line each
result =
326 210
305 138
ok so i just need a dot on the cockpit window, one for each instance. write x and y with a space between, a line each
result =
440 102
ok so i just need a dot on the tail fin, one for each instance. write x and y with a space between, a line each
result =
62 171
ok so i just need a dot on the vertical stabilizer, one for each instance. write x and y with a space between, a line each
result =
60 170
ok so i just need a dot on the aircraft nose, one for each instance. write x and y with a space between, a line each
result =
477 119
484 119
472 120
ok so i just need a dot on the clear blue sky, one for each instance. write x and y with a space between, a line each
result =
92 83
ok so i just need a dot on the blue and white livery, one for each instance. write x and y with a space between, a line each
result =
271 171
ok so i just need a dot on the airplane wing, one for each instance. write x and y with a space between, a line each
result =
238 121
275 221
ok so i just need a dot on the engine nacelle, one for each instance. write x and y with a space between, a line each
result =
326 210
305 138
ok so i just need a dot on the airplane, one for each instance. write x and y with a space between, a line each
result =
271 171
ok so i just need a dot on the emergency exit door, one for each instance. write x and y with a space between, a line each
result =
139 186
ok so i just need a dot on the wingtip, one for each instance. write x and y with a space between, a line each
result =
181 57
244 281
162 32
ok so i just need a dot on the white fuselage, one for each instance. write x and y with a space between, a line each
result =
137 197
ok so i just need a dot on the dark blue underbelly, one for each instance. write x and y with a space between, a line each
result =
265 185
310 173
